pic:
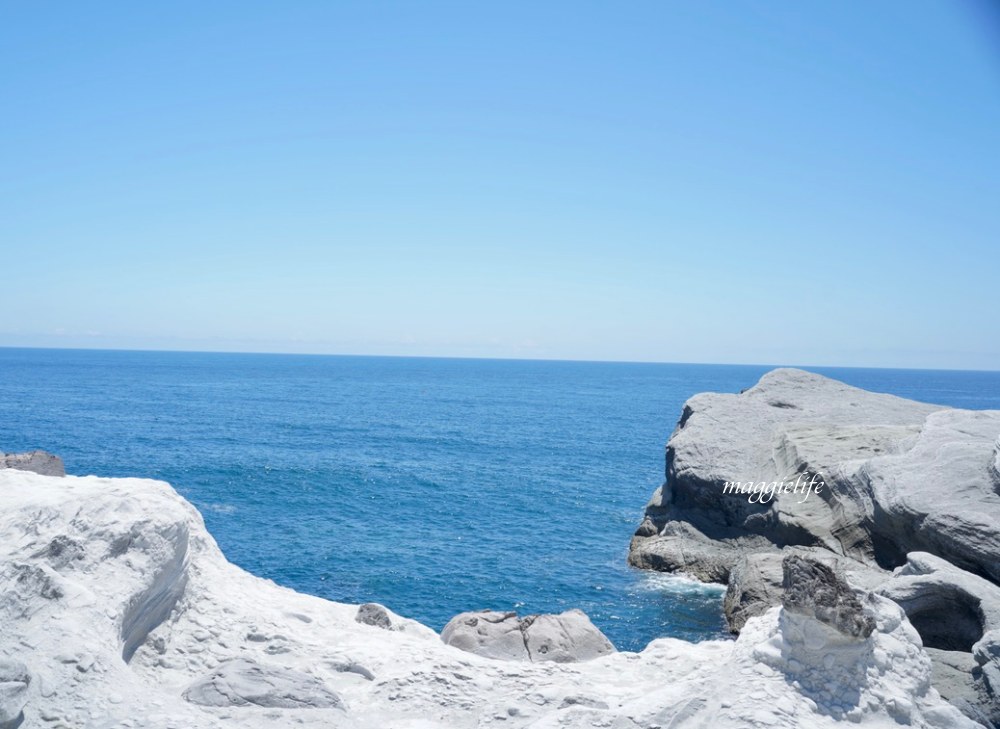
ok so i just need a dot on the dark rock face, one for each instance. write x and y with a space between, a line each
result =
38 461
813 589
371 613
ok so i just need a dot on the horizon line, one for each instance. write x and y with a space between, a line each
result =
493 359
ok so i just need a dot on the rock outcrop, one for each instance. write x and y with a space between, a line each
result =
36 461
564 638
898 477
812 589
119 610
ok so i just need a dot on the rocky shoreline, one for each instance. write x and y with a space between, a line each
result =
868 607
910 510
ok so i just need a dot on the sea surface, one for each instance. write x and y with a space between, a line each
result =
432 486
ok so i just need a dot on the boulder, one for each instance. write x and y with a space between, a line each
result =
38 461
564 638
487 633
244 683
371 613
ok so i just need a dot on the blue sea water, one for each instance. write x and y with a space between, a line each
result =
430 485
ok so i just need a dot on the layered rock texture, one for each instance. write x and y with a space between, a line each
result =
906 486
119 610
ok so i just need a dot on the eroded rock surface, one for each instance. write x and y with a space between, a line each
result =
35 461
244 683
899 476
812 589
90 565
907 485
564 638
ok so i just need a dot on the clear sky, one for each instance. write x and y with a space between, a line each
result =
761 182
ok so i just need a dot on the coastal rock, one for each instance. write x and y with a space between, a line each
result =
957 679
949 607
90 565
14 682
995 466
940 495
957 615
756 581
811 588
986 653
35 461
245 683
791 424
371 613
754 587
487 633
899 477
843 673
563 638
379 616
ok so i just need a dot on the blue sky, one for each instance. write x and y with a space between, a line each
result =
760 182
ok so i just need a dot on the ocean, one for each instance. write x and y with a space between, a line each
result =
433 486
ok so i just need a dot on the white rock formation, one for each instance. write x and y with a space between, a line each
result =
900 478
118 610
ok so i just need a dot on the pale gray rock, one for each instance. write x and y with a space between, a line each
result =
940 495
986 653
564 638
37 461
899 477
995 466
811 588
957 615
791 424
949 607
754 588
371 613
487 633
14 682
245 683
955 677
